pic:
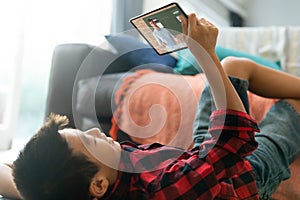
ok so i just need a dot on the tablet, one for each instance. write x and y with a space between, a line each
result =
162 28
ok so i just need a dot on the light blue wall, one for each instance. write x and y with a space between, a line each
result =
273 12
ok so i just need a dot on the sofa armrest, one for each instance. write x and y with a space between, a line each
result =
66 62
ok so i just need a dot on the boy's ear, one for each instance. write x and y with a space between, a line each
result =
99 186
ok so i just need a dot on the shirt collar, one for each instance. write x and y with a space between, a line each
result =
120 188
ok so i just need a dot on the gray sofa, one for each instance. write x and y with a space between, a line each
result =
75 67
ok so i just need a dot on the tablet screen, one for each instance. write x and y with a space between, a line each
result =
162 28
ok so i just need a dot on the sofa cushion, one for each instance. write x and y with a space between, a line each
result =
187 64
95 95
134 53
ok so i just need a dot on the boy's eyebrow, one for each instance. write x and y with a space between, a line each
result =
84 139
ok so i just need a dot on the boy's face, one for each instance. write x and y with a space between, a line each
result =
95 145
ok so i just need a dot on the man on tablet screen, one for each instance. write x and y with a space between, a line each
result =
163 36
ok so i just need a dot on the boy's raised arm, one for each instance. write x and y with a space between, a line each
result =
201 38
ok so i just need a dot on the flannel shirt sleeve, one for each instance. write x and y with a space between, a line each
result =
233 135
235 131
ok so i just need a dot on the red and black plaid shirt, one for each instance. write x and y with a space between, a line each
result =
160 172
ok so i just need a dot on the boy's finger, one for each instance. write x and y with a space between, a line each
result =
204 22
192 20
184 25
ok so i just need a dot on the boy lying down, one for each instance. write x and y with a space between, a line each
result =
237 161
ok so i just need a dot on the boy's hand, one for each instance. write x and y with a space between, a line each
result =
199 31
201 38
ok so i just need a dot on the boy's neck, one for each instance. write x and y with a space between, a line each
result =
113 176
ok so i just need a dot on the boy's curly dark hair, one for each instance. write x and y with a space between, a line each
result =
47 169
